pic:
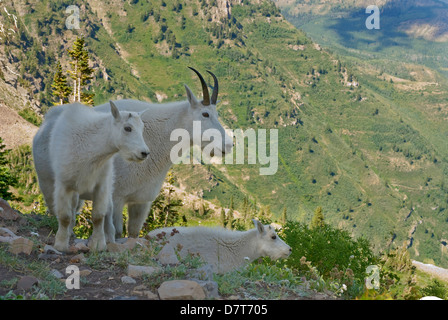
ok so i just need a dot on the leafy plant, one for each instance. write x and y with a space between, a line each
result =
327 248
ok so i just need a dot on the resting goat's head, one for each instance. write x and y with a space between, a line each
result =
268 242
205 113
128 134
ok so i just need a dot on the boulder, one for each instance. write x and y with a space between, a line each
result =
181 290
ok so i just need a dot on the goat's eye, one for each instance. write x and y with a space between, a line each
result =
205 115
274 237
128 129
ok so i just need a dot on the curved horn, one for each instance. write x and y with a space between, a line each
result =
215 88
206 97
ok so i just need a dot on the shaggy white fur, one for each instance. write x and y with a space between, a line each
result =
226 250
80 148
137 184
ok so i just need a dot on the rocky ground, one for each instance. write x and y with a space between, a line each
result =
131 269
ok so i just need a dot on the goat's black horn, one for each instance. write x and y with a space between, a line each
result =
206 96
215 88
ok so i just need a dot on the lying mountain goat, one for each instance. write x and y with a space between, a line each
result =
224 249
138 184
81 147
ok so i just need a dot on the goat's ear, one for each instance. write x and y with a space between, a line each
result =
191 97
258 225
114 110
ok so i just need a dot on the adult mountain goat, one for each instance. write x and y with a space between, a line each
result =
226 250
138 184
81 146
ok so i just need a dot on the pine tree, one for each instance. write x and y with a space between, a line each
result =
318 219
60 88
6 179
222 218
81 73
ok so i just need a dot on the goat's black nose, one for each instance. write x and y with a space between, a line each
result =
144 154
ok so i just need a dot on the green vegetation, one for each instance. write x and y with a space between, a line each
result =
6 178
60 88
373 156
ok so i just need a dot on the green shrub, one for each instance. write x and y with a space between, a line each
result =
436 288
331 251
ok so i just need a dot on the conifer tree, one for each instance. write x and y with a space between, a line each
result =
81 73
318 219
6 179
222 218
60 88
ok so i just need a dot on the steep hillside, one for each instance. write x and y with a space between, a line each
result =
365 143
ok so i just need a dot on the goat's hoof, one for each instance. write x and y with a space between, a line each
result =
97 245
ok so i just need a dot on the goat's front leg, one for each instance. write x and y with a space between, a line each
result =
101 203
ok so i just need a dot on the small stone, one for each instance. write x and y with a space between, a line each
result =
7 235
150 295
6 212
85 272
21 245
145 293
210 288
167 256
27 282
131 243
128 280
48 256
50 250
181 290
116 247
82 247
57 274
79 258
138 271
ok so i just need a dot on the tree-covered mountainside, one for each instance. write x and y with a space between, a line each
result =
363 140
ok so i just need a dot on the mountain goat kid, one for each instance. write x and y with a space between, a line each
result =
226 250
81 148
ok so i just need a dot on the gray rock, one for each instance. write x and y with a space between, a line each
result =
50 250
210 288
138 271
57 274
181 290
128 280
27 282
167 256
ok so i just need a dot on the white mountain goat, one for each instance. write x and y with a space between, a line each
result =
226 250
81 148
138 184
